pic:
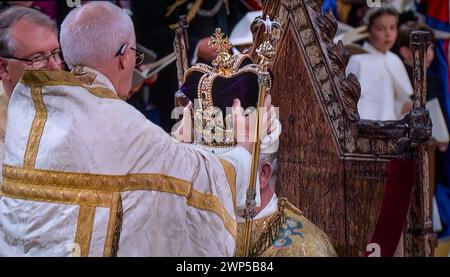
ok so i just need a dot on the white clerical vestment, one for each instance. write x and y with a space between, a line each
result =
385 85
3 116
86 174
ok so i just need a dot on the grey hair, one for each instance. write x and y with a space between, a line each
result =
11 16
272 159
92 34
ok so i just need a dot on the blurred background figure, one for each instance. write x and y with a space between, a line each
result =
428 15
7 4
385 85
47 7
350 12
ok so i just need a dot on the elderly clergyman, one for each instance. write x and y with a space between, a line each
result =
86 174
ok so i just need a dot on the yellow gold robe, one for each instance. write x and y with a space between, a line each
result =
285 233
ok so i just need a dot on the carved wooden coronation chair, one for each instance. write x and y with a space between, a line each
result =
332 165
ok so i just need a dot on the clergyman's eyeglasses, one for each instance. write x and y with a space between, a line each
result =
139 53
40 61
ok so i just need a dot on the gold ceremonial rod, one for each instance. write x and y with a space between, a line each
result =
266 51
254 169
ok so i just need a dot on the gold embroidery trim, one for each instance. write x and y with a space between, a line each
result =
37 127
97 182
231 178
211 203
114 227
101 92
40 78
270 230
95 189
45 77
56 195
85 228
246 239
264 231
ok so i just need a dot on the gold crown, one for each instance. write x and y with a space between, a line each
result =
224 61
211 128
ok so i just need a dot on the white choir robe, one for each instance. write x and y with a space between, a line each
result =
385 85
86 174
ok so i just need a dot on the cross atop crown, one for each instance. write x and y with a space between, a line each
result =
219 40
224 61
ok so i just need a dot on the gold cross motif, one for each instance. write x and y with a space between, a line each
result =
218 40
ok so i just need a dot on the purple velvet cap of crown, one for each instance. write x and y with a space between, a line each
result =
244 87
225 90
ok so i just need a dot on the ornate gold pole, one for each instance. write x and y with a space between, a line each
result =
251 193
266 51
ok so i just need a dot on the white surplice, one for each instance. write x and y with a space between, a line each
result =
174 199
385 85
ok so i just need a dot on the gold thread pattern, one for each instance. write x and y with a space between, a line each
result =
56 195
85 228
40 78
37 127
114 226
285 233
211 203
95 189
231 178
264 231
97 182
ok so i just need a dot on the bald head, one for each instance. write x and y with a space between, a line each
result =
92 34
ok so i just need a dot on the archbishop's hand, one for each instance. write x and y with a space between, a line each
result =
244 123
185 132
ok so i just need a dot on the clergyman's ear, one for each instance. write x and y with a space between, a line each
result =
125 60
264 176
